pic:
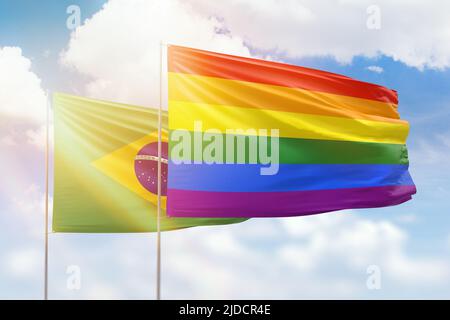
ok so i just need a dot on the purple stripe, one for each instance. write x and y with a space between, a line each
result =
187 203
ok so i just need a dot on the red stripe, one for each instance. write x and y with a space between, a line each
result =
205 63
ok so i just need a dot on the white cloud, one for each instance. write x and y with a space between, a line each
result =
407 218
323 256
30 201
23 263
21 94
359 242
103 292
110 266
8 140
311 257
28 208
376 69
119 47
47 53
339 28
23 102
432 150
38 137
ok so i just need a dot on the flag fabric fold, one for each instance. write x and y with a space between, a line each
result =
341 143
105 168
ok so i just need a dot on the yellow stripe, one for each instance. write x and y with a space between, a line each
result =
183 115
195 88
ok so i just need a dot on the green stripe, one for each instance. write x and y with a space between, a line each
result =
310 151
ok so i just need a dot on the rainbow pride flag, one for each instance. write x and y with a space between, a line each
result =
253 138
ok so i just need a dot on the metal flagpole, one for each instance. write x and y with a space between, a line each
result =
46 195
158 217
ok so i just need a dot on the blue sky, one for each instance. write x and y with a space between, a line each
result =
37 27
106 59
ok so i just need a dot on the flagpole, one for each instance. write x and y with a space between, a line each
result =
47 137
158 217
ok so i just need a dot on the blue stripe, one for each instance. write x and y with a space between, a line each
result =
290 177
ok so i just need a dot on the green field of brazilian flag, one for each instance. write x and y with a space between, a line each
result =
96 187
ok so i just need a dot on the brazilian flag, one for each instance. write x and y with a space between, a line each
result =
105 169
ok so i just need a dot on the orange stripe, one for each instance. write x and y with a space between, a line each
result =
201 89
193 61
